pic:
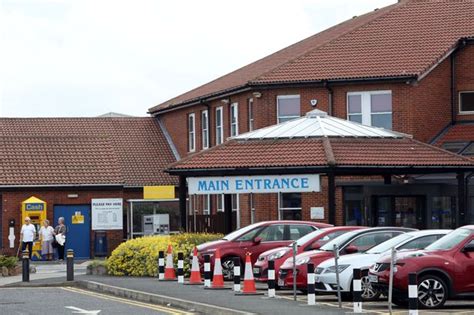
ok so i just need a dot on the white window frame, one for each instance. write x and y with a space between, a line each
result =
221 198
205 129
250 113
234 124
365 105
206 204
192 132
281 209
219 128
464 112
252 208
280 97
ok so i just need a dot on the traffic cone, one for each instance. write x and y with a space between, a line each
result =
195 277
170 274
218 278
249 282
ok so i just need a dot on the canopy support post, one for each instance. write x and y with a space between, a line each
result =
460 216
227 213
182 202
332 198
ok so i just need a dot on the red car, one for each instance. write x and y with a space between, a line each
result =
311 241
445 270
256 239
349 243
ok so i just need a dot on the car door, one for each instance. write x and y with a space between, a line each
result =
369 240
271 236
464 281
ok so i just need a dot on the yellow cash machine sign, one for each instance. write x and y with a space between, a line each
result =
36 209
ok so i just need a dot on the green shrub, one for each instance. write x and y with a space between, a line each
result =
8 261
139 257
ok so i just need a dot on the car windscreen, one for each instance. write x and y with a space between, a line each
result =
339 241
450 240
303 240
385 246
239 232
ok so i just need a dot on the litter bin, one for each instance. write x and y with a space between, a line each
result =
100 246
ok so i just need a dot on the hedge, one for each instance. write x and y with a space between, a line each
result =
8 261
139 256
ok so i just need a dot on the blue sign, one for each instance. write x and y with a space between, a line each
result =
34 206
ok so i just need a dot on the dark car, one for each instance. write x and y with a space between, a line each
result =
349 243
255 239
445 270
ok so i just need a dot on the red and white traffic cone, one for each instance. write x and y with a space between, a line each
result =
249 281
195 277
170 274
218 278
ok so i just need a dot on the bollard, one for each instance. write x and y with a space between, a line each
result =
25 266
207 271
236 274
70 265
338 283
357 290
295 252
161 265
412 294
390 280
311 280
180 267
271 279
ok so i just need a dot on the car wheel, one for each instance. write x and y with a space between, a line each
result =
369 293
432 292
228 268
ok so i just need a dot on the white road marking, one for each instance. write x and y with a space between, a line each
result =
81 311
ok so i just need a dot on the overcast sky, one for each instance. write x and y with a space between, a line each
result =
89 57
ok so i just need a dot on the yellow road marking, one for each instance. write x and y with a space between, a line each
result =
126 301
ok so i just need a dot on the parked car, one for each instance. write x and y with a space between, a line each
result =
256 239
348 243
326 271
445 270
311 241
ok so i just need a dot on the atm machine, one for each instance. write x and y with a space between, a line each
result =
156 224
34 208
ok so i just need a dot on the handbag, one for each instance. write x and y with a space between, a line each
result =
54 243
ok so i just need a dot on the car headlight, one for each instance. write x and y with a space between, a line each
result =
340 268
277 255
302 261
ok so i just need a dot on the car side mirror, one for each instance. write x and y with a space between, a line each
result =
468 248
316 245
257 240
351 249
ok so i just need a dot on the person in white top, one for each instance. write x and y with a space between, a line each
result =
46 235
27 236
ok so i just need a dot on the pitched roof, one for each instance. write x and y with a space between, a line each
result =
402 40
343 146
83 151
460 132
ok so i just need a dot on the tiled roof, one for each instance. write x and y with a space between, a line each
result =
401 40
85 151
457 133
346 152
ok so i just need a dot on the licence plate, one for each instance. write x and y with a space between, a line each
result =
281 282
373 278
256 271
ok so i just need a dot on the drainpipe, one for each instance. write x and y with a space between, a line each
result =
453 88
468 206
330 97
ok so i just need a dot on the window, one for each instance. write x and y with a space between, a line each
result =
454 147
234 119
324 240
191 133
298 231
370 108
443 209
367 241
466 102
235 202
205 204
219 129
420 242
250 113
288 107
272 233
205 129
252 208
220 203
469 150
290 206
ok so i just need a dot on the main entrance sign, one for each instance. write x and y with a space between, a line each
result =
253 184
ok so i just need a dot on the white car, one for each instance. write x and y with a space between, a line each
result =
326 271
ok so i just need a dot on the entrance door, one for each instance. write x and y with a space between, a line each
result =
78 232
404 211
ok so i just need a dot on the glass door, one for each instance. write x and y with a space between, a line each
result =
404 211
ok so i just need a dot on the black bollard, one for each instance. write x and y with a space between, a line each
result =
271 278
412 294
161 265
357 290
207 271
25 266
70 265
236 274
180 267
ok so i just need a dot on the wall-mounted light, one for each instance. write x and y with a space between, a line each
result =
72 196
225 101
257 94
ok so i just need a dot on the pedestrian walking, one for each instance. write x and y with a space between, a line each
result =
27 236
46 234
60 234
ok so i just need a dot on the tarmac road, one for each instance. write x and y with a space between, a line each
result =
67 300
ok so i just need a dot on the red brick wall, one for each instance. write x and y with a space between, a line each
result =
11 209
464 75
